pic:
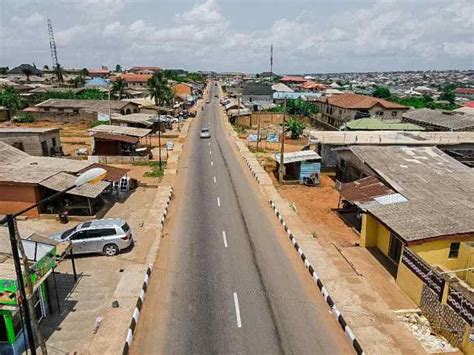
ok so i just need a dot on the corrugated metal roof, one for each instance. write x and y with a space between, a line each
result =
62 181
127 131
292 157
390 199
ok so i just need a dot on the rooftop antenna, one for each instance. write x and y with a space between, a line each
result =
52 44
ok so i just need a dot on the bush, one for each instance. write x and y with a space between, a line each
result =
25 117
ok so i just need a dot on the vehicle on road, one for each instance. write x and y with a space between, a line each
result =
216 96
208 101
205 133
107 236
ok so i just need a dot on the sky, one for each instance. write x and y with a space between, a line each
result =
309 36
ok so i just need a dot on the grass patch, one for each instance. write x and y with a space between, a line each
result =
157 170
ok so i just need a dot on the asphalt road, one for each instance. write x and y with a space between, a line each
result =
227 280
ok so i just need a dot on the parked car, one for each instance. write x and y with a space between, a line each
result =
106 236
208 101
205 133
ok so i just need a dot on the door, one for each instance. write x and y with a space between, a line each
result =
395 248
44 148
79 242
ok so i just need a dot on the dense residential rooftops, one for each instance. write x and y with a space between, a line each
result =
469 91
120 130
281 87
376 124
390 137
445 120
142 68
359 102
439 189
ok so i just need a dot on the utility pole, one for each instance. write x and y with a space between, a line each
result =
29 286
159 140
258 131
281 169
271 62
110 109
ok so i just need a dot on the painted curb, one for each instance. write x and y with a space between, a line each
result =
141 296
327 298
136 312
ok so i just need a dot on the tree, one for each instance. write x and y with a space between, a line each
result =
381 92
118 87
45 67
300 107
447 94
10 99
118 68
78 81
27 72
158 88
84 72
295 126
59 72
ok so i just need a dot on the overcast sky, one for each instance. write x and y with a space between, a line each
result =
309 36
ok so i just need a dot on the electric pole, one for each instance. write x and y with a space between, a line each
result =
281 168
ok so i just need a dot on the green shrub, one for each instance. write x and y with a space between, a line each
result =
25 117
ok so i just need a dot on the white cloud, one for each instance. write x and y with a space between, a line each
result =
386 34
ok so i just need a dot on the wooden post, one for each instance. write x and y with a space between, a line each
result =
281 168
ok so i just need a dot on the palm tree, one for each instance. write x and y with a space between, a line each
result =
59 71
158 88
119 86
27 72
294 126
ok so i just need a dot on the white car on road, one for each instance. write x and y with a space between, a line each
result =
205 133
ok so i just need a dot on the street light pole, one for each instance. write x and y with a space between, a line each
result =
21 285
281 168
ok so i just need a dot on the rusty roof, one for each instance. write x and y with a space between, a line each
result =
355 101
113 173
364 190
115 137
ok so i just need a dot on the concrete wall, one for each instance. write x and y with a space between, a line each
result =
14 198
410 283
266 119
30 142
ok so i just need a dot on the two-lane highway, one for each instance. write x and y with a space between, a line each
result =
227 280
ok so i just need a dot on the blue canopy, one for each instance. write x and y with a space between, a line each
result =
96 82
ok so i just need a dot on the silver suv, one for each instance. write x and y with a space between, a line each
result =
107 236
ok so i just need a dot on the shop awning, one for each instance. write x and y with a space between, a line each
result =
62 181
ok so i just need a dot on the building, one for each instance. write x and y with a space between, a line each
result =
143 70
376 124
311 86
457 144
281 87
257 95
103 72
182 89
465 93
111 140
97 83
26 180
77 106
138 120
339 109
34 141
44 255
134 81
300 165
293 80
280 97
21 69
416 216
438 120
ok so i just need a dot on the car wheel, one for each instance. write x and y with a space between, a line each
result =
111 250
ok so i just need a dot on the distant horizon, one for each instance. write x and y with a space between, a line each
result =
339 36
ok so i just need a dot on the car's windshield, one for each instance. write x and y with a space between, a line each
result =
205 130
67 233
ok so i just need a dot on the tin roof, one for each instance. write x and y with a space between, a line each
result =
121 130
62 181
293 157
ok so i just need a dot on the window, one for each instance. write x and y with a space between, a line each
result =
394 113
454 250
53 142
125 227
379 113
